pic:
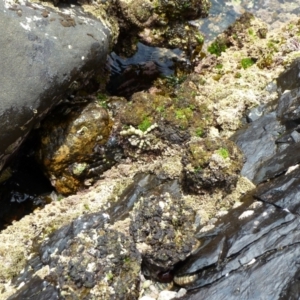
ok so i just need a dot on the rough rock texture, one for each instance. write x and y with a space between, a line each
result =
43 53
71 143
228 93
274 137
210 163
159 23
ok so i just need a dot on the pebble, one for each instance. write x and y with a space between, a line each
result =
167 295
147 298
181 293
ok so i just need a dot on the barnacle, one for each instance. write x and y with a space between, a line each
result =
143 140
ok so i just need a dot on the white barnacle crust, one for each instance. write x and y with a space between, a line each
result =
246 214
185 280
138 138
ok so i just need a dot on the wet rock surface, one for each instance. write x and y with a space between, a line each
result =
35 42
255 246
274 138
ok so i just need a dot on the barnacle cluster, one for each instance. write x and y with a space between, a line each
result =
143 140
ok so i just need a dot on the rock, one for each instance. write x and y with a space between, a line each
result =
44 54
210 163
259 237
242 240
161 23
271 143
99 255
166 295
258 142
72 146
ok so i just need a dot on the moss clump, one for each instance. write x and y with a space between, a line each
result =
199 132
178 113
223 152
251 31
247 62
217 47
146 123
102 100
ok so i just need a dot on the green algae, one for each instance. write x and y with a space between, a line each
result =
146 123
247 62
217 48
223 152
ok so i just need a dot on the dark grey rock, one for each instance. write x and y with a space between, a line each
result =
258 257
289 79
43 55
257 142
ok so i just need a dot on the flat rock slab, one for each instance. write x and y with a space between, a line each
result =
44 53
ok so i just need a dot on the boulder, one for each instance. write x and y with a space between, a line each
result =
44 53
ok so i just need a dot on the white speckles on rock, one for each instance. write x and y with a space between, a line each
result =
207 228
221 213
246 214
35 18
70 46
25 26
82 57
256 204
251 262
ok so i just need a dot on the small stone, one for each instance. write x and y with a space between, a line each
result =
146 284
167 295
181 293
147 298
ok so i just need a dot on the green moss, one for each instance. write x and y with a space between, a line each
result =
199 132
238 75
86 206
160 109
247 62
199 38
184 113
272 45
251 31
223 152
217 48
127 260
146 123
219 66
109 276
102 100
197 169
60 197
